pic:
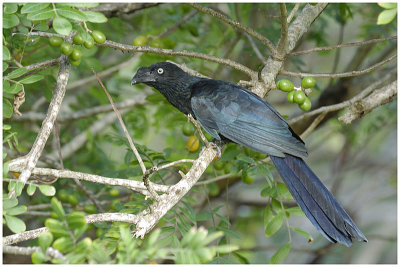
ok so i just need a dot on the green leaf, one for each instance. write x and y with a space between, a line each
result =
72 13
295 211
45 240
10 21
6 53
56 227
10 8
95 17
43 14
33 7
245 158
9 203
5 66
7 108
303 233
15 224
76 220
15 88
30 190
280 254
57 208
16 73
18 188
388 5
62 26
228 248
86 5
268 215
386 16
47 190
31 79
16 210
274 225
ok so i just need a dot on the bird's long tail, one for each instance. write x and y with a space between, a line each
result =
319 205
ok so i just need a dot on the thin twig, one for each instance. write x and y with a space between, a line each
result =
67 174
84 113
313 125
284 29
176 25
255 49
339 75
218 178
317 49
122 125
235 24
293 12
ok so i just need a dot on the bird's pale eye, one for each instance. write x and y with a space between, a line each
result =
160 71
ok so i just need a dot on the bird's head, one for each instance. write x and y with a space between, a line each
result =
159 75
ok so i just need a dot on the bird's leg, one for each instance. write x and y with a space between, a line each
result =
146 180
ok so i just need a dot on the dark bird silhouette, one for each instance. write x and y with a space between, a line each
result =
230 112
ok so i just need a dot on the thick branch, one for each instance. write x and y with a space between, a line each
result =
47 126
295 31
377 98
147 220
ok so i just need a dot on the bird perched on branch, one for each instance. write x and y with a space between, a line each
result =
230 112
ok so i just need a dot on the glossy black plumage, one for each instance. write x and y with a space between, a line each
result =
228 111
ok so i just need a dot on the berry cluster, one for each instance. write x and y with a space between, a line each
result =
71 50
297 95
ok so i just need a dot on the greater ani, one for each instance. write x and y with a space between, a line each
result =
230 112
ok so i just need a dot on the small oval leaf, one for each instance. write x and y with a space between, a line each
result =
62 26
47 190
280 254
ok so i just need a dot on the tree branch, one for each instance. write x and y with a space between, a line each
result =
339 75
346 103
318 49
102 217
375 99
33 156
50 252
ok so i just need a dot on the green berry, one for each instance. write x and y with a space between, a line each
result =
89 42
306 104
141 40
290 96
156 43
55 41
78 39
98 37
66 48
219 165
247 178
74 62
63 195
76 54
285 85
114 192
308 82
299 97
73 199
188 129
90 208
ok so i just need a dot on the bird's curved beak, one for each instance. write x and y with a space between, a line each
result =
143 75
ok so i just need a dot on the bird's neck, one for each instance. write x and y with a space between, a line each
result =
178 92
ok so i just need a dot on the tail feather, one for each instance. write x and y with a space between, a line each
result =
319 205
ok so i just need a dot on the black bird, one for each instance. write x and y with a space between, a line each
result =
230 112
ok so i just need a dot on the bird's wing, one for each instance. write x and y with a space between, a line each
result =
231 111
